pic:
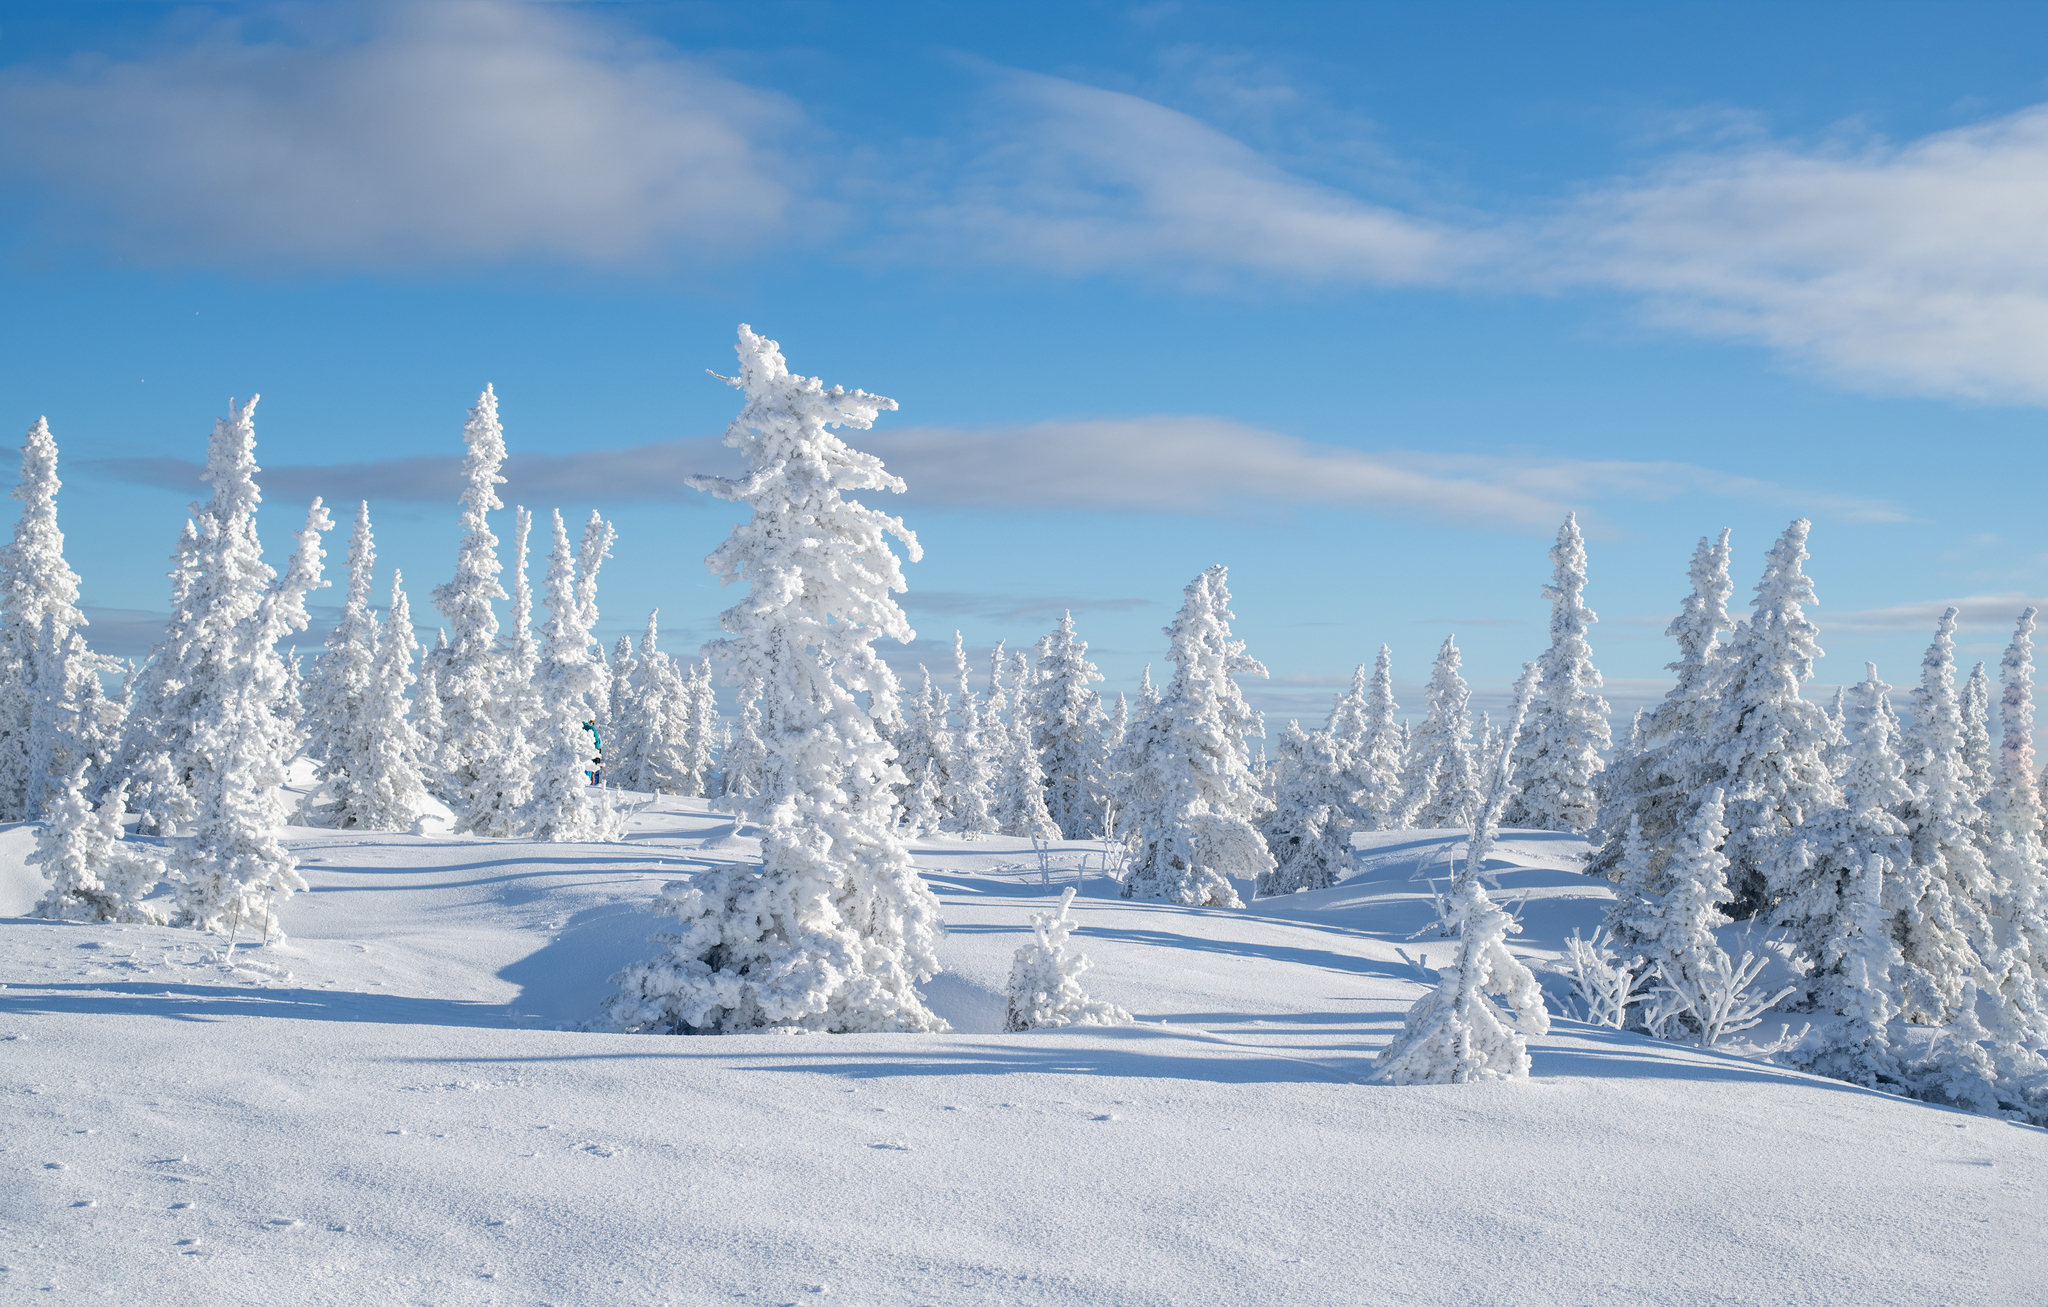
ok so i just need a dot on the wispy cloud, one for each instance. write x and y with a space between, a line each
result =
1082 180
1973 612
401 135
1162 464
1919 266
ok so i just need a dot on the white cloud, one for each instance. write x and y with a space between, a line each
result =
1160 464
400 135
1168 464
1917 267
1086 180
1973 612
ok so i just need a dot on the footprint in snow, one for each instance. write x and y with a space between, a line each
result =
896 1146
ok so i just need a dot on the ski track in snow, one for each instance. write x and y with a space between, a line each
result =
396 1106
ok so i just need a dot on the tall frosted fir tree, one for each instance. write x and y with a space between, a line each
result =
567 690
1766 746
970 782
216 707
2018 965
1557 756
833 930
1191 799
37 589
1373 765
467 675
1066 729
1946 923
1441 784
342 675
385 787
1656 785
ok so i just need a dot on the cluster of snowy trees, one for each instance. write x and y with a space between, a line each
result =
1905 862
497 728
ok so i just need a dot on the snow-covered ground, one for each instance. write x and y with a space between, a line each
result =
396 1106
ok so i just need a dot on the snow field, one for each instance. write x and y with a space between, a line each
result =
382 1110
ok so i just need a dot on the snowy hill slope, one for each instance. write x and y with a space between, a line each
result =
393 1106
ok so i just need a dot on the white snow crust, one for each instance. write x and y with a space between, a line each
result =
396 1106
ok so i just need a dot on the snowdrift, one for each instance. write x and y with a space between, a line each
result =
397 1105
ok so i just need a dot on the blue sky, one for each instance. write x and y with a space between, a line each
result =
1357 299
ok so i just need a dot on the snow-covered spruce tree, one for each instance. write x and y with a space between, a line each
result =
500 776
924 747
623 743
385 789
833 930
1066 729
1837 913
1309 830
1045 979
1374 762
1766 746
740 775
1192 799
341 676
1438 781
1346 723
1674 925
970 781
591 550
1943 922
1019 787
426 710
94 874
1657 784
230 742
1456 1033
704 729
468 676
566 690
37 588
1977 754
66 717
1557 757
2019 910
156 737
334 690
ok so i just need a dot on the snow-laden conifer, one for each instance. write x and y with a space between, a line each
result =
468 676
924 744
1767 747
37 589
705 728
1456 1033
970 780
1558 755
834 929
224 685
500 776
1657 784
1374 762
1837 914
1019 786
567 689
1066 729
741 774
2018 968
341 675
94 874
1944 922
1192 800
1309 830
1670 915
386 789
426 710
623 745
1977 753
1440 787
1045 979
